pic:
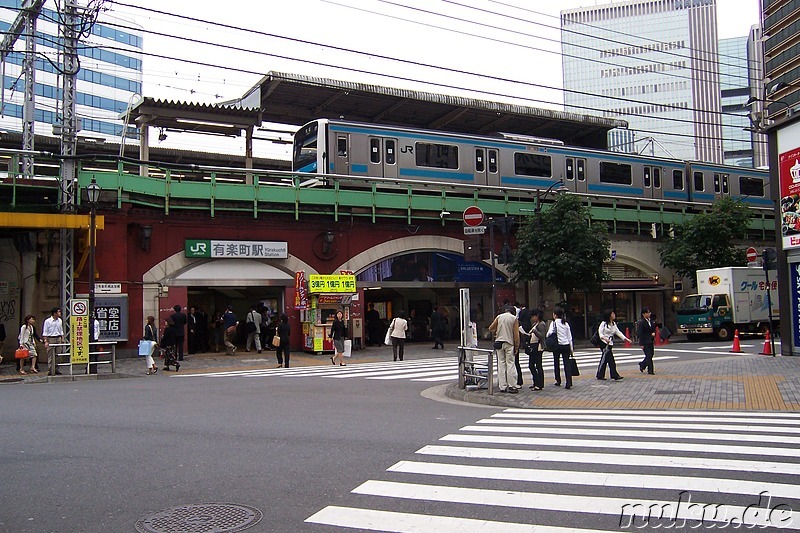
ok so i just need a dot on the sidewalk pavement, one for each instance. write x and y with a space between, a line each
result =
737 382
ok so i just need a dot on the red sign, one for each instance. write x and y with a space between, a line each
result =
473 216
752 255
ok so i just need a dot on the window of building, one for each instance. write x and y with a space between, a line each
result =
616 173
527 164
751 186
436 155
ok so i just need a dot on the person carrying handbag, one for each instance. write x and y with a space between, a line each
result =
534 349
607 331
151 334
27 341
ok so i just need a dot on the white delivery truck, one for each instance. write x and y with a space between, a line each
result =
728 299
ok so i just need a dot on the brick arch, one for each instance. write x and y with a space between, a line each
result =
414 243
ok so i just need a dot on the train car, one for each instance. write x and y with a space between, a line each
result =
505 160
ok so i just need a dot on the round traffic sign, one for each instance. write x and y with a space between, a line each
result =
752 255
473 216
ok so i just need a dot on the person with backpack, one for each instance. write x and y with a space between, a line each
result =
606 331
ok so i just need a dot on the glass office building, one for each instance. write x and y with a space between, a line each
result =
652 63
735 82
110 74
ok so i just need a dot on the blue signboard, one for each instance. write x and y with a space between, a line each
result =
794 272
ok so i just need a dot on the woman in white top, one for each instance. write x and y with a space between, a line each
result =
27 340
607 331
564 349
397 331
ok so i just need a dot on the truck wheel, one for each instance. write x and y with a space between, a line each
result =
694 337
725 332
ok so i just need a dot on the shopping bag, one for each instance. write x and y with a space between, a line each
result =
146 347
21 353
573 367
348 348
276 341
388 340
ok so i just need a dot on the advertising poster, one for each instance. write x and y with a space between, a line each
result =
789 177
794 274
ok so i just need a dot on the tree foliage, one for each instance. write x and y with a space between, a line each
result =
561 248
708 240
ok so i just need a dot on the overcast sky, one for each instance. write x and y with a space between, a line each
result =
494 40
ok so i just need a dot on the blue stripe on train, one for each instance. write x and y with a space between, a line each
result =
535 182
435 174
615 189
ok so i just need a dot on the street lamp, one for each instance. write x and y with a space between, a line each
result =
92 196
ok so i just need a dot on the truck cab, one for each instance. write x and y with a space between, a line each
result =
705 314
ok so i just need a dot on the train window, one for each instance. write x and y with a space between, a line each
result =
725 184
699 182
647 182
751 186
581 163
616 173
656 177
390 152
375 150
436 155
538 165
717 186
480 164
493 161
341 146
677 180
570 167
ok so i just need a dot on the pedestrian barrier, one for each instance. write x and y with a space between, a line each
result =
96 350
627 338
767 350
475 373
736 348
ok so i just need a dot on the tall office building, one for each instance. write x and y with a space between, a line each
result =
735 82
653 63
110 74
782 56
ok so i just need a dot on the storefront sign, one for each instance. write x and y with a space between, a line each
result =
342 299
300 290
79 331
112 314
236 249
319 283
789 178
108 288
794 273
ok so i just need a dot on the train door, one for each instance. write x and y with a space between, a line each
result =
722 185
390 158
485 166
652 182
382 157
575 174
341 161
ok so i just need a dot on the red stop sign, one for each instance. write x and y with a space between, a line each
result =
473 216
752 255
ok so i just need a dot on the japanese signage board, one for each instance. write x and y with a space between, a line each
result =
794 274
300 290
789 178
199 248
108 288
79 331
320 283
112 314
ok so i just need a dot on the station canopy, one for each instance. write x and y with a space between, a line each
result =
295 100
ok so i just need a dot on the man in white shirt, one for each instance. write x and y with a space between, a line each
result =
53 333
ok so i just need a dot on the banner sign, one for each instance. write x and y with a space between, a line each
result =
318 283
79 331
789 179
236 249
300 290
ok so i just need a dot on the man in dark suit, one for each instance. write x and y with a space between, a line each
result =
646 331
436 328
179 318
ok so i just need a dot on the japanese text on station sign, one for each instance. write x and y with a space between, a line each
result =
321 283
236 249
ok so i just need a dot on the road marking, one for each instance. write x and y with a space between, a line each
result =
689 417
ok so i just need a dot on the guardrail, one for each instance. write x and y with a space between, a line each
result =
96 349
469 370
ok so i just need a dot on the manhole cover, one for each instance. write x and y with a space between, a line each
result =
674 392
201 518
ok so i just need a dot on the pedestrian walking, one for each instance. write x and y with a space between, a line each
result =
437 328
338 333
563 351
252 326
284 333
53 333
179 318
151 334
397 334
506 341
524 318
229 323
607 331
373 320
27 340
646 332
169 342
536 334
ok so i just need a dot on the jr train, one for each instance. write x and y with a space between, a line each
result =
327 146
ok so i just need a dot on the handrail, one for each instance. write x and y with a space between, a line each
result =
466 368
112 352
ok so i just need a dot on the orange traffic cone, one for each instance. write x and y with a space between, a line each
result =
767 350
736 347
658 337
628 335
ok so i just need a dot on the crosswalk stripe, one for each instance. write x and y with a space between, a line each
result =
653 425
738 437
630 459
375 520
604 479
546 418
550 502
661 445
